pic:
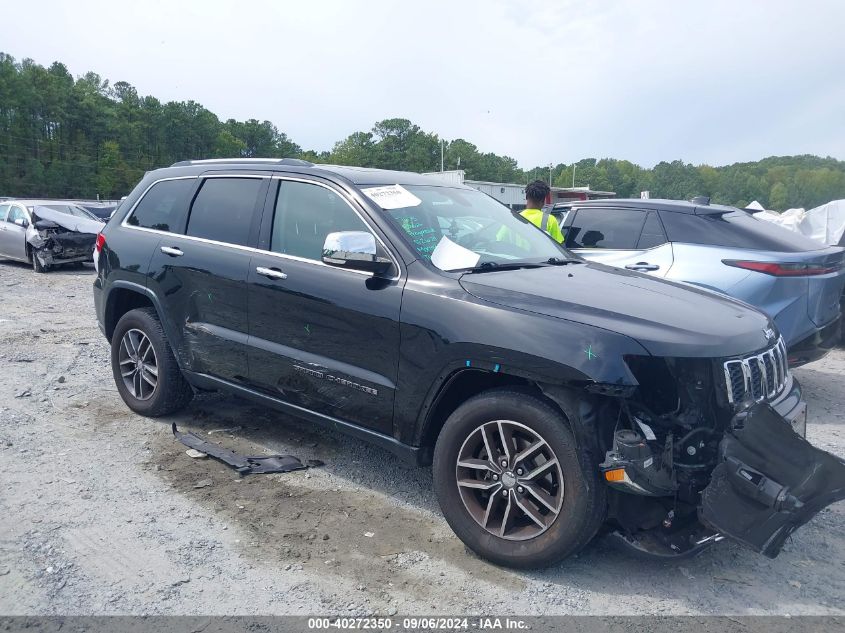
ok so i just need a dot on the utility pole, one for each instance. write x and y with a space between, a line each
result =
550 174
441 155
573 175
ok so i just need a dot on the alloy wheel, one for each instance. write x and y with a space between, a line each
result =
138 364
509 480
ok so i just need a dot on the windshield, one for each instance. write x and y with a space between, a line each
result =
461 228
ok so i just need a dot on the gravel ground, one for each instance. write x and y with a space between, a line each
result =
101 511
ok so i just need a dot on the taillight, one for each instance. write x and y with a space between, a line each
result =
782 269
101 241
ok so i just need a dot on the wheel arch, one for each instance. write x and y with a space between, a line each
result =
582 411
463 384
123 297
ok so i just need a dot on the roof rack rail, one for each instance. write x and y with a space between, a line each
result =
266 161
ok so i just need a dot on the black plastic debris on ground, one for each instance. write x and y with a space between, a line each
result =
249 465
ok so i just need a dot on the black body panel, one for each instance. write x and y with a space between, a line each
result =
203 295
325 339
666 318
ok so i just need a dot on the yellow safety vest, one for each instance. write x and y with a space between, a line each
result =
538 217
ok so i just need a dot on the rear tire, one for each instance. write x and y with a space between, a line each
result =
535 534
145 370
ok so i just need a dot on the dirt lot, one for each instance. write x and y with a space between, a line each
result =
102 512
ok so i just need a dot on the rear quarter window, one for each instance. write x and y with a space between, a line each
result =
735 229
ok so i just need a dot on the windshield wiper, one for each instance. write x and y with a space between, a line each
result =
486 267
560 261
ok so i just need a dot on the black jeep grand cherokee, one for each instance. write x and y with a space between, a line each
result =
554 396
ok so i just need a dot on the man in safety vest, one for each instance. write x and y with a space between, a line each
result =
535 198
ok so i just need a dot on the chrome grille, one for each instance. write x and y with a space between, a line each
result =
759 377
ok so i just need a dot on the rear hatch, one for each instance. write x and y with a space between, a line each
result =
769 482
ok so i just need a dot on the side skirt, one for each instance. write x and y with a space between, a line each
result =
413 455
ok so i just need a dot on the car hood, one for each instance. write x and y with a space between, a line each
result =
69 222
666 318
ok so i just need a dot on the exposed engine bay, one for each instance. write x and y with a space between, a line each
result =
688 466
59 238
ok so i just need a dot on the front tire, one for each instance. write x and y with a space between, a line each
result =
512 483
37 266
145 371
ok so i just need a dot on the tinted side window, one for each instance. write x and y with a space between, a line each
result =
653 234
617 229
305 214
224 210
163 206
735 229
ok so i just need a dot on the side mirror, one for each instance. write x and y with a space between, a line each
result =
356 250
23 222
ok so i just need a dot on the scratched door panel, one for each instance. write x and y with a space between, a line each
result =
206 299
325 339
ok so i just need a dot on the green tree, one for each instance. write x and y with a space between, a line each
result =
70 138
778 197
356 149
399 144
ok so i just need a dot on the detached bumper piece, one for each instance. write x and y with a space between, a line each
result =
243 465
668 544
769 482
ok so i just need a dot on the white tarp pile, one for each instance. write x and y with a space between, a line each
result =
825 223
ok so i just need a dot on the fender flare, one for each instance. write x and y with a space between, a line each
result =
123 284
453 369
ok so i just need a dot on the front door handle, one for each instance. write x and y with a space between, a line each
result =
642 266
271 273
172 251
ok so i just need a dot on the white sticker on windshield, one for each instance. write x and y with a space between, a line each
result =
448 255
392 197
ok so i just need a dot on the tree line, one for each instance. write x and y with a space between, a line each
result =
62 137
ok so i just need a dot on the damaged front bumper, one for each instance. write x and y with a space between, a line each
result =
769 482
53 247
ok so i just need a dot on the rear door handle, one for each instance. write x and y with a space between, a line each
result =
271 273
642 266
172 251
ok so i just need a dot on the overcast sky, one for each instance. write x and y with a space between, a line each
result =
707 82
